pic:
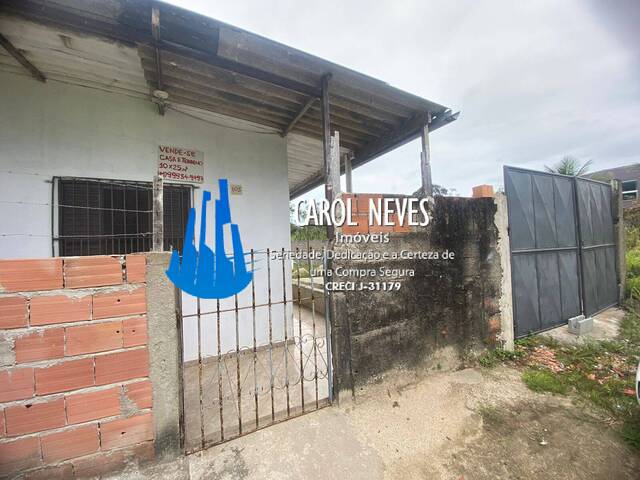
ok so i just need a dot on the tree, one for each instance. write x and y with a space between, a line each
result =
570 166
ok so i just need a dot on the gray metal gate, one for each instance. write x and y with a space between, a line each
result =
598 249
562 249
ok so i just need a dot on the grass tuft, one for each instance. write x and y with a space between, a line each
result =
544 381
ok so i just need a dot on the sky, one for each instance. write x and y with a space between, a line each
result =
534 81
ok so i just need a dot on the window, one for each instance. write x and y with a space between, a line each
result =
629 190
103 217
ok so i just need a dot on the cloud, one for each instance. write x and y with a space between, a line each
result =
534 80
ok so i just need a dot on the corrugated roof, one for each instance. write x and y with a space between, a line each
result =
205 64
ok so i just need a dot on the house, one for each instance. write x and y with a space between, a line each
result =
100 98
629 178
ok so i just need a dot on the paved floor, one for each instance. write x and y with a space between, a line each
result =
605 327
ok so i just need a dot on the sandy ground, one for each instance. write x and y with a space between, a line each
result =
466 424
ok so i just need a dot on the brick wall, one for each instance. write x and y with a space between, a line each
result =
75 397
360 215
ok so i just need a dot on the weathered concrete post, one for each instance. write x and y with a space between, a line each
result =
620 237
158 214
501 221
425 161
165 356
348 173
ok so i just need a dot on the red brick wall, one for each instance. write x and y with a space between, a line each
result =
75 397
360 215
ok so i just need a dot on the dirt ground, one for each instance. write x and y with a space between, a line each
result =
465 424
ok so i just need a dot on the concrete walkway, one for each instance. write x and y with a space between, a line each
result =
605 327
466 424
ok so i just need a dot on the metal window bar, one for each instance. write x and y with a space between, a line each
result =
111 217
272 368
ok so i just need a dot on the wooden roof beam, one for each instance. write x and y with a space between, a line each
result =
155 31
300 114
15 53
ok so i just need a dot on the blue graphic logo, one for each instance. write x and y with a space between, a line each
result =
204 273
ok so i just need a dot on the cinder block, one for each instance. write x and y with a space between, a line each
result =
121 366
36 417
135 331
83 407
72 443
13 312
405 228
69 375
136 266
40 345
580 325
59 309
19 455
482 191
119 304
94 338
30 275
16 384
362 201
126 431
59 472
105 462
140 393
95 271
362 224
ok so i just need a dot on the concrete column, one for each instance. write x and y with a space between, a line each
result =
165 356
348 173
620 237
501 221
425 162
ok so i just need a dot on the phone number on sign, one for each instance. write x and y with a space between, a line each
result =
362 286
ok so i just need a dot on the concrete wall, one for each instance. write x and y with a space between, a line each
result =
55 129
448 306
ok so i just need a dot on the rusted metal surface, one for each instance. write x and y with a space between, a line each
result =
277 368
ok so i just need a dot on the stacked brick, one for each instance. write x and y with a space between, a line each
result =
360 215
75 395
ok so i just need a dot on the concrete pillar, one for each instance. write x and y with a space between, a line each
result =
165 356
501 221
348 173
617 205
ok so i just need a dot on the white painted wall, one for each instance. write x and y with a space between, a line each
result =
55 129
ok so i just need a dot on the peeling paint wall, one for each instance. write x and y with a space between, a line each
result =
448 303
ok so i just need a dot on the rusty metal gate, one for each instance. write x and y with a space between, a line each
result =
260 357
562 249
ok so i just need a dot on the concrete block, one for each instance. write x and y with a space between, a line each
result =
580 325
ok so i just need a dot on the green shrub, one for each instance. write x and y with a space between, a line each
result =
633 262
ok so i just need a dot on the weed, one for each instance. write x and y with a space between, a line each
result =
491 358
544 381
491 416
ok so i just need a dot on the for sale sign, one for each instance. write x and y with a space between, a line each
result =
180 164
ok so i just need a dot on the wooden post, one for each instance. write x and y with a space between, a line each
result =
158 215
326 145
347 173
425 161
335 164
